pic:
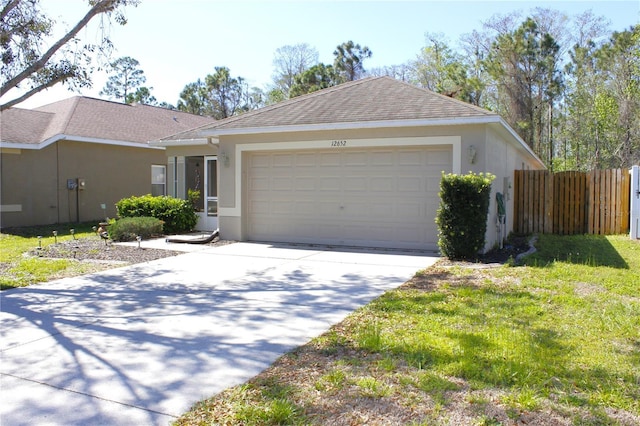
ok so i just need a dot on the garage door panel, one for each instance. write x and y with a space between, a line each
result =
282 184
363 197
358 159
355 183
383 183
411 158
329 184
330 159
411 184
283 160
305 183
382 158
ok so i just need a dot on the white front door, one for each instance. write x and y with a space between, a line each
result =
208 220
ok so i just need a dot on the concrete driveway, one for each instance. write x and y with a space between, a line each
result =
141 344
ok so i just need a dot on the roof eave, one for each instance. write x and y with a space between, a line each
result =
60 137
182 142
352 125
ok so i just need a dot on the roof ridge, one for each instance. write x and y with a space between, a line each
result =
59 127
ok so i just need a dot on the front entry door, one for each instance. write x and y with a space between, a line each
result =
211 191
208 219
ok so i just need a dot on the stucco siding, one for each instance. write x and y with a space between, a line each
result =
502 158
29 187
110 172
37 179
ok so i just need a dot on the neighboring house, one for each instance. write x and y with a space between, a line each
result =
358 164
72 160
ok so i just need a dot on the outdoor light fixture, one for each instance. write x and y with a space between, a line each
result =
471 154
55 237
73 233
138 239
39 242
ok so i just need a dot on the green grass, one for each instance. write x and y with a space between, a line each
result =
19 270
559 337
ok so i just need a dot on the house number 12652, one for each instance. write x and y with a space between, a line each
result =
338 143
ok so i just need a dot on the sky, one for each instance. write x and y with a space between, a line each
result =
180 41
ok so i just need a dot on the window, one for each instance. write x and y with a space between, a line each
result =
158 180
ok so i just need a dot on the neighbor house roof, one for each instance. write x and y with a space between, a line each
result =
374 101
93 120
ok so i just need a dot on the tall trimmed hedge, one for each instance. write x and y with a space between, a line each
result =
178 215
462 215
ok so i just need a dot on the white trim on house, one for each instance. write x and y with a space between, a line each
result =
60 137
454 141
350 125
182 142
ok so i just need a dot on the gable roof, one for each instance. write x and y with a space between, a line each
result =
380 101
93 120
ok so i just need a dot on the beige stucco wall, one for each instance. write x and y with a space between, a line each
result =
501 159
37 180
29 189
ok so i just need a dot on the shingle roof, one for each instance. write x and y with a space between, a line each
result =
375 99
83 117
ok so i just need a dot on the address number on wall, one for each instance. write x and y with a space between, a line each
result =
338 143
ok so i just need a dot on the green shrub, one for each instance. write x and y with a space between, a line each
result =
128 228
177 215
462 215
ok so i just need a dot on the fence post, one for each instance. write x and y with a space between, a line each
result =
634 196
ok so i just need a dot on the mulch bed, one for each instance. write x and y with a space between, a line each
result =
95 249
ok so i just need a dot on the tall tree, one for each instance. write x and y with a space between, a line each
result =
143 95
125 77
220 95
479 87
31 57
194 99
524 62
315 78
289 61
225 93
440 69
349 60
580 132
619 60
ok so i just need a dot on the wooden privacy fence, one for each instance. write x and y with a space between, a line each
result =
564 203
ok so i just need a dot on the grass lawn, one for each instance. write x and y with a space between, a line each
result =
556 341
18 270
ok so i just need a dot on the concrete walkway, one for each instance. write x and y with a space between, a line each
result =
141 344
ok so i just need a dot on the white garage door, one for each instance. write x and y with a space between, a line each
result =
365 197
